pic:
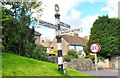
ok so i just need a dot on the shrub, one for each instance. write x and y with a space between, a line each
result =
39 53
92 57
67 58
53 59
73 53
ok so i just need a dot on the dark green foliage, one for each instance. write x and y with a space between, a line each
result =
105 32
17 36
53 59
73 53
39 53
67 58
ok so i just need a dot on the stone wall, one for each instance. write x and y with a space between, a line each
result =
114 62
81 64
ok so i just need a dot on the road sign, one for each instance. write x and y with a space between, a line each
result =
71 31
94 48
50 25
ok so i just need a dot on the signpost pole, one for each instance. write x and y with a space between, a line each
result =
95 48
59 38
96 65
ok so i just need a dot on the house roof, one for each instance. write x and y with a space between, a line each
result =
46 44
37 33
75 40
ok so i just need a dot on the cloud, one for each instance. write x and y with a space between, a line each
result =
89 20
49 12
112 8
76 22
87 24
71 16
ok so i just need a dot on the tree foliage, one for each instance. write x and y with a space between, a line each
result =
105 32
17 36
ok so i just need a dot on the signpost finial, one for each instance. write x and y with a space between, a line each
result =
57 8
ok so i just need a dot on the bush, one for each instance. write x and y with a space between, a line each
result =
53 59
73 53
67 58
92 57
39 53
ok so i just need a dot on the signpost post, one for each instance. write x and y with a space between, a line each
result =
95 48
58 37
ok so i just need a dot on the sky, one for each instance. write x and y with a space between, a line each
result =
77 13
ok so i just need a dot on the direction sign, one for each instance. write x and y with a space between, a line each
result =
94 48
50 25
71 31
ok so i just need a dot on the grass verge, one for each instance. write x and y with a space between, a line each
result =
14 65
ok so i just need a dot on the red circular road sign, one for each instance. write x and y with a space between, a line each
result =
94 48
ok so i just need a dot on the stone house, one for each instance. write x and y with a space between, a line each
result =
113 62
46 44
37 37
70 42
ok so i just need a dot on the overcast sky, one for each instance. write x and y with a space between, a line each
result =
77 13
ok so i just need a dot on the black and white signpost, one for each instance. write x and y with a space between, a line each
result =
58 37
95 48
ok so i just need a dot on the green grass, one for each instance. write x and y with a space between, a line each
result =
14 65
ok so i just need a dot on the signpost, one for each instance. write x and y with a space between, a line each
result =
95 48
50 25
71 31
59 37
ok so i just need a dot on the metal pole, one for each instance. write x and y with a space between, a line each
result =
58 37
96 66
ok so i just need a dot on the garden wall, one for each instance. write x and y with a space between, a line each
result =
81 64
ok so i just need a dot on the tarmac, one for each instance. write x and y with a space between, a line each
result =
104 72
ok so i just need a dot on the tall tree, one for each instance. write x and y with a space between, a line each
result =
18 37
105 31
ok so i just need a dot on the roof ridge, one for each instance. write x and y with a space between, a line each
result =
73 40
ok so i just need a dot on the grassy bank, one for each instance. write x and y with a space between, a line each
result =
14 65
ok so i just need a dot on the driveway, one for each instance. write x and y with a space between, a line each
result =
103 72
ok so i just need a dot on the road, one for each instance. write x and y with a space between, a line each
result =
103 72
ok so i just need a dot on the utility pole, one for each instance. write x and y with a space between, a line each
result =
58 37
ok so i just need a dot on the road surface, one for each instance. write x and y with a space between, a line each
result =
103 72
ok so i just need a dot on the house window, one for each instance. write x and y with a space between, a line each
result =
52 48
71 47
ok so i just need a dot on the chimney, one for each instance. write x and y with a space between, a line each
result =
86 37
76 34
42 40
